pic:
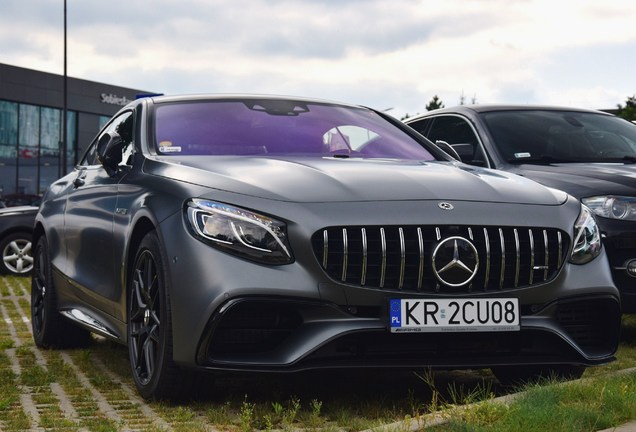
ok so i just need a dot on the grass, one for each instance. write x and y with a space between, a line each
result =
589 405
603 399
99 376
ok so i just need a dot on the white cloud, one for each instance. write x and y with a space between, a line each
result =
384 54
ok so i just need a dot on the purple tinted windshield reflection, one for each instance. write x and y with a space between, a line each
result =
279 127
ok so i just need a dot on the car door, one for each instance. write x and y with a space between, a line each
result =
88 223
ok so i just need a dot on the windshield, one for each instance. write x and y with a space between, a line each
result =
279 127
536 136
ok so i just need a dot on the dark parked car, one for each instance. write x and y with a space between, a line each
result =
15 200
589 154
16 225
238 233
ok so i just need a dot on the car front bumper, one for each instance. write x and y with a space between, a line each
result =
233 314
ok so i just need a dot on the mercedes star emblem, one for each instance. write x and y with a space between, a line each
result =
455 261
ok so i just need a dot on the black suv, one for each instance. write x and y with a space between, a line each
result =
589 154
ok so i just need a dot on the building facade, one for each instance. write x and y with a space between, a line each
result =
31 122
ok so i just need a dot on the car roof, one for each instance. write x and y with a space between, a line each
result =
220 96
504 107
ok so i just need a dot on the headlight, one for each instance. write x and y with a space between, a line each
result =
239 231
587 238
612 207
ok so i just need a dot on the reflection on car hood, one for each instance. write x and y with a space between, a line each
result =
584 180
335 179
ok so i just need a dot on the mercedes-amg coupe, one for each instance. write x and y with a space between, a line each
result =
270 234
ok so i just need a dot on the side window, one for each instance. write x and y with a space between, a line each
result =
421 125
460 135
122 125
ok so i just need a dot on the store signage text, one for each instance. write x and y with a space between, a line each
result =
112 99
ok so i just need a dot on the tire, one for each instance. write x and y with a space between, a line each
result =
156 375
16 254
50 329
520 375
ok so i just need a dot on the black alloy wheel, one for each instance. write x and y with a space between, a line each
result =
145 318
50 329
149 325
39 299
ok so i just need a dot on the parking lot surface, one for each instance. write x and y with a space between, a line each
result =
91 389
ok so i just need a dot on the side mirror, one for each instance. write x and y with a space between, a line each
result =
109 149
448 149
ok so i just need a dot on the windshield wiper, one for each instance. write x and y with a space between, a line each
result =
618 159
543 159
630 159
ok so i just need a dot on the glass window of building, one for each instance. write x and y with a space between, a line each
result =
30 147
8 146
50 139
28 140
71 141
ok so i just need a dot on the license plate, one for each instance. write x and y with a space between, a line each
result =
454 315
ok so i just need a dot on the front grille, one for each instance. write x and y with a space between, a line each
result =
401 257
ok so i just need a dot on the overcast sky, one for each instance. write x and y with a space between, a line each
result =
385 54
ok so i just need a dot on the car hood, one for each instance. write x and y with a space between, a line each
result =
338 180
584 180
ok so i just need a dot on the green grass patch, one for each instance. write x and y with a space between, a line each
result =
588 405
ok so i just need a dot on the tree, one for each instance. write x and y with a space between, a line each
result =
434 104
462 99
628 112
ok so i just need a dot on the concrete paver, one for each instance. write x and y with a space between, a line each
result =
627 427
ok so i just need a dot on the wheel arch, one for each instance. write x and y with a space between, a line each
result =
38 231
18 229
143 226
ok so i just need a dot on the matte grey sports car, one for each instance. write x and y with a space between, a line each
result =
253 233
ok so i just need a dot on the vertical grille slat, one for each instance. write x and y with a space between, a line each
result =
383 265
487 245
400 257
518 258
420 244
531 237
503 259
345 254
546 257
325 248
365 256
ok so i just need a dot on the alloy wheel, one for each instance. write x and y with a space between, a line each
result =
38 290
16 256
145 318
